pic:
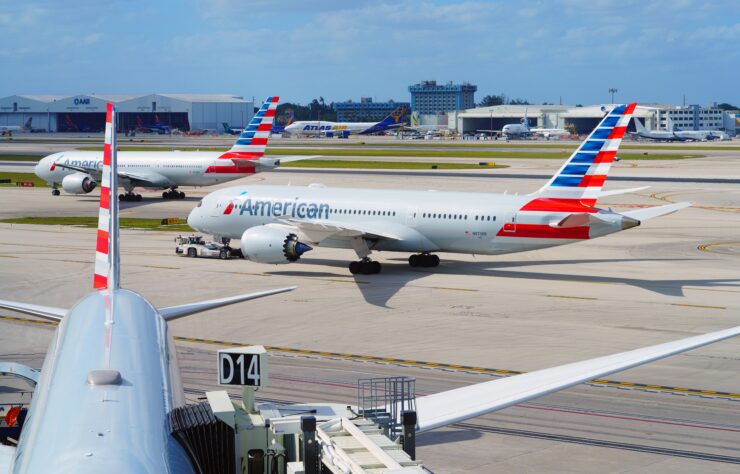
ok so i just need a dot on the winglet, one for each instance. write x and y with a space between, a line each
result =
107 263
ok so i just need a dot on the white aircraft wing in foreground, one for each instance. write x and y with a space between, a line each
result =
452 406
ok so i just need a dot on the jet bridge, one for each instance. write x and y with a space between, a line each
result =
231 435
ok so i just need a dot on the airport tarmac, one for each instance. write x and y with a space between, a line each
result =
673 277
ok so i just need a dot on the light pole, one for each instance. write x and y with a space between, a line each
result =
612 91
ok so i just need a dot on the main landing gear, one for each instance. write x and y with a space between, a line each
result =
129 196
55 192
425 260
365 267
173 194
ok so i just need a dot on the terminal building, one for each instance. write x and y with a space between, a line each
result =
86 112
365 110
584 119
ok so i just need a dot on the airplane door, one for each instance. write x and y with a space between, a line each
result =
510 224
412 216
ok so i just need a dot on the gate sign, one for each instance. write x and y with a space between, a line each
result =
244 366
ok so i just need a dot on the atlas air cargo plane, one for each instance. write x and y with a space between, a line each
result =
277 224
110 377
344 129
78 172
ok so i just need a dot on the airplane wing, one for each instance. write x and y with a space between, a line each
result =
456 405
143 178
46 312
651 212
316 231
174 312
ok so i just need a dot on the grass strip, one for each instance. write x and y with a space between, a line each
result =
417 153
92 222
20 157
20 177
385 165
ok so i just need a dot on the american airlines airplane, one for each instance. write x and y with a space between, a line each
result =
111 378
277 224
78 172
344 129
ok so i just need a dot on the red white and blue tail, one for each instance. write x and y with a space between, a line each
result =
252 143
106 254
579 181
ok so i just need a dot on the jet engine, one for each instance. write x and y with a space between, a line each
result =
272 243
78 183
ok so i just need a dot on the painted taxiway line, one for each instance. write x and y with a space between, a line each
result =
426 364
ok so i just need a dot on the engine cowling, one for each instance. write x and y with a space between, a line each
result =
272 243
78 183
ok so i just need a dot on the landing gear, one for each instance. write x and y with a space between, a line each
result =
129 196
173 194
55 192
425 260
365 267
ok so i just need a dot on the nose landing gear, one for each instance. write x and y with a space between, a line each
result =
55 192
424 260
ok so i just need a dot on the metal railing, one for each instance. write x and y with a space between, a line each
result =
384 399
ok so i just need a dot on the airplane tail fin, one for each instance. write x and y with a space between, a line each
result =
394 118
639 127
580 179
27 125
415 119
252 143
107 257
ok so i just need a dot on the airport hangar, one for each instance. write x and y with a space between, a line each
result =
86 112
584 119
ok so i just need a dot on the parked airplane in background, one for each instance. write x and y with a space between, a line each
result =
678 135
112 364
345 129
7 130
78 172
277 224
524 130
231 130
158 126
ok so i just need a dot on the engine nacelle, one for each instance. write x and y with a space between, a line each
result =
272 243
78 183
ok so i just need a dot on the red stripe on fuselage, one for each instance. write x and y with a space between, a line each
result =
561 205
230 169
544 231
244 155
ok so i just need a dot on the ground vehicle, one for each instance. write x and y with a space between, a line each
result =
195 246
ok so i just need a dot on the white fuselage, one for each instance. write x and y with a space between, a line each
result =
170 168
419 221
317 127
73 426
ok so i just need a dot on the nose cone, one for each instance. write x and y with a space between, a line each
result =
194 219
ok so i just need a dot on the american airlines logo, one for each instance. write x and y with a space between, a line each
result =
297 209
84 163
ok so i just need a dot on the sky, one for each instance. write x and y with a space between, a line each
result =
542 51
